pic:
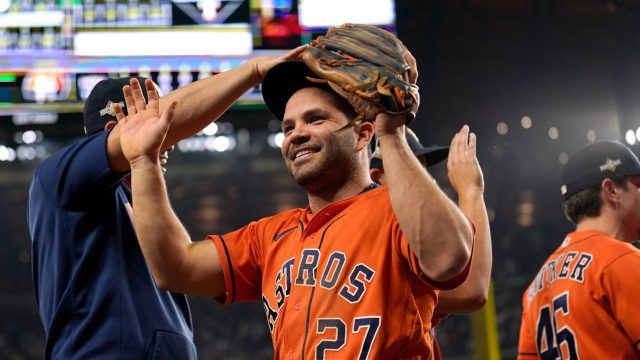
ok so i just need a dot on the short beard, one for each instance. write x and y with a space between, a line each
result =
334 169
328 180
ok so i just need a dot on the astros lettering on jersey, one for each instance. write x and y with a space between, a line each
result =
338 284
583 302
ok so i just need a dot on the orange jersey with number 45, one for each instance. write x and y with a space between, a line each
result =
583 303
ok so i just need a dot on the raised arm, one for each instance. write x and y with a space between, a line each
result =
199 103
437 231
177 263
204 101
466 177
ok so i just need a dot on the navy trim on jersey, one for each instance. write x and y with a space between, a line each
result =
313 290
369 187
233 278
301 226
279 235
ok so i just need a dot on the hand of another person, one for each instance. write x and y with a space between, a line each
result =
263 64
143 130
463 168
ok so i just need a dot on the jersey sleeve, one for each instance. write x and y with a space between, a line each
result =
619 281
239 257
412 260
76 174
526 342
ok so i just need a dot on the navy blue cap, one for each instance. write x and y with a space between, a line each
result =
596 162
432 154
283 80
98 108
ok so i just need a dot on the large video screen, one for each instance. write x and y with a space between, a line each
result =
52 52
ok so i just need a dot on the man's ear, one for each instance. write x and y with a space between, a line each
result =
109 125
610 190
365 134
377 175
374 173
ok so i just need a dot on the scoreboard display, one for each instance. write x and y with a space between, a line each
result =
52 52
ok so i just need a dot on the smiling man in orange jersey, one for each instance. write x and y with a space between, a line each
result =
355 274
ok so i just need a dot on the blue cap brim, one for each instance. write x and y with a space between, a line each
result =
282 81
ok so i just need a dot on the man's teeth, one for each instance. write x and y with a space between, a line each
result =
302 153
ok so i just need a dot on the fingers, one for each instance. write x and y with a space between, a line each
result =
262 65
465 138
453 159
128 100
461 140
134 97
463 145
463 167
472 144
152 93
119 113
138 96
455 142
465 134
295 53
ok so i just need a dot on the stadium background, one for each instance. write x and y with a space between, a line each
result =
535 79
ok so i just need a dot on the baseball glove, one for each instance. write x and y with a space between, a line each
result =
365 65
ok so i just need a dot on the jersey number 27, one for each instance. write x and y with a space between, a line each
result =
372 324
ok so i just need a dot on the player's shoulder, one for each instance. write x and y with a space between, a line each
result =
286 217
376 190
594 240
376 193
275 226
92 144
621 252
53 169
605 249
611 247
372 203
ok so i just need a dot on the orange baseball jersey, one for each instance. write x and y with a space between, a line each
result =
339 284
583 304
